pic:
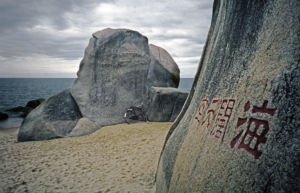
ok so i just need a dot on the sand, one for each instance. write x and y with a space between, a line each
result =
120 158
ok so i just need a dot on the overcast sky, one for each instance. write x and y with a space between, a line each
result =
47 38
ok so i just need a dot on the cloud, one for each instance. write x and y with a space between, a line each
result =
59 30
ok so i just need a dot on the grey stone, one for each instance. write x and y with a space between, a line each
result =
17 109
34 103
20 111
112 75
54 118
3 116
163 71
117 72
83 127
239 128
166 103
24 111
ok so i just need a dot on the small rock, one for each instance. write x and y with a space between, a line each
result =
34 103
17 109
3 116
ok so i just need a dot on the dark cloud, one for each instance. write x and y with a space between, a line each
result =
60 29
27 13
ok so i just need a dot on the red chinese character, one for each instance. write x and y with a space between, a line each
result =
201 109
210 113
223 117
256 130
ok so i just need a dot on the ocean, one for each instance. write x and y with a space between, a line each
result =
18 91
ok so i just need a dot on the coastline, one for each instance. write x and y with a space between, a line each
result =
11 122
118 158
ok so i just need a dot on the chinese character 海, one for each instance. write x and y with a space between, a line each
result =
256 130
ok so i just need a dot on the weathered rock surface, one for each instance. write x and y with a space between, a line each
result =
166 103
163 71
239 129
3 116
54 118
83 127
113 74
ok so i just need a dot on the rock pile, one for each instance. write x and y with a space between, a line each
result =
24 111
239 129
116 74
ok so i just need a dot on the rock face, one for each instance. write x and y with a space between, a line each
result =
239 129
113 74
54 118
163 71
166 103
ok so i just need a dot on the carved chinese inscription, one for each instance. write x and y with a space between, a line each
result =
221 109
215 115
201 109
210 113
222 119
256 130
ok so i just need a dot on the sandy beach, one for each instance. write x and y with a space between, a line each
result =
120 158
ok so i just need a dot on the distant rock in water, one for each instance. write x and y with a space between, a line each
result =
3 116
116 73
17 109
24 111
239 130
34 103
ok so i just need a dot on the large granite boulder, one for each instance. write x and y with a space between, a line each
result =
54 118
166 103
113 75
239 128
163 71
